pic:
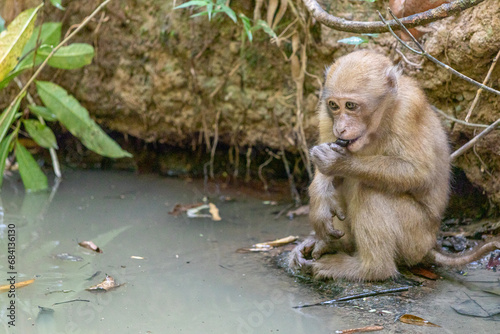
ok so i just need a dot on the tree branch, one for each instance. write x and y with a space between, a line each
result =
424 53
438 13
474 140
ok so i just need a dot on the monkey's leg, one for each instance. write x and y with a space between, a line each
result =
375 228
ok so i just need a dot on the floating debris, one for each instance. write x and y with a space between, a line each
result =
267 246
361 330
18 285
94 275
68 257
90 245
180 208
214 211
106 285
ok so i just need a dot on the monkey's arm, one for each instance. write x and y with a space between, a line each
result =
388 173
325 202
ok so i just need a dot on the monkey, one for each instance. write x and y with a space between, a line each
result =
382 175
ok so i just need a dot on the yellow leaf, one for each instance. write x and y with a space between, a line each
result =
13 39
4 288
414 320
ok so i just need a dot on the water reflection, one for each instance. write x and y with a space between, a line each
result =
180 274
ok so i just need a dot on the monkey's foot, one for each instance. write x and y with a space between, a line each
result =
300 256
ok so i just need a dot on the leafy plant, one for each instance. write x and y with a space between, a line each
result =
213 7
24 46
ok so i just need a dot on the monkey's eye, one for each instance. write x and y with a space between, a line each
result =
350 105
333 105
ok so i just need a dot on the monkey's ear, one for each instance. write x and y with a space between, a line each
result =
393 74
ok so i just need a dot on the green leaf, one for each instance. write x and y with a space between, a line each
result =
76 119
42 112
4 152
199 3
50 35
31 174
13 39
57 4
40 133
354 40
69 57
267 29
7 118
247 26
229 12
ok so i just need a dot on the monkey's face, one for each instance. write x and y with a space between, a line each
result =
352 121
357 91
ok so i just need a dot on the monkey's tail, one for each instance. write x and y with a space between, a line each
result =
439 258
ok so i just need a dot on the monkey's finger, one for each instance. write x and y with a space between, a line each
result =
334 233
337 148
339 213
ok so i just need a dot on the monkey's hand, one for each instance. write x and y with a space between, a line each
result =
326 155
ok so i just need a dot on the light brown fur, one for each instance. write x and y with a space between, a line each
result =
390 183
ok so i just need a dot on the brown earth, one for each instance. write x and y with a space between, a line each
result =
163 77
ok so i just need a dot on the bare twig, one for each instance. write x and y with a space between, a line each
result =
361 329
406 60
474 140
456 120
480 90
358 296
424 53
415 20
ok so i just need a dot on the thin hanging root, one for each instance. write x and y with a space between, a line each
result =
214 145
280 14
291 181
267 162
271 9
249 162
256 10
236 160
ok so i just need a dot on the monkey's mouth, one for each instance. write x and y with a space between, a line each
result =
345 142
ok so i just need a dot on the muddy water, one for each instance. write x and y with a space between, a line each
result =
187 277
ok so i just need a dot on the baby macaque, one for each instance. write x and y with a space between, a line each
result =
382 175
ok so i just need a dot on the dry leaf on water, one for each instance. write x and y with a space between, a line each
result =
18 285
414 320
180 208
90 245
267 246
214 211
106 285
361 330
